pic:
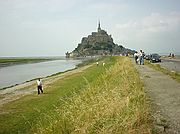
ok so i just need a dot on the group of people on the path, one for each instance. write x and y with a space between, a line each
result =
139 57
171 55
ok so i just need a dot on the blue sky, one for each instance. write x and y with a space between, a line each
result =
52 27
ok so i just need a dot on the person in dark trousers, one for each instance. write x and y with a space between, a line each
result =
136 57
39 86
141 59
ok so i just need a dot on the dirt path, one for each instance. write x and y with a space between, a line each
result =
164 93
16 92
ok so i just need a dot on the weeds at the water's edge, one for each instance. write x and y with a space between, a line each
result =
175 75
114 103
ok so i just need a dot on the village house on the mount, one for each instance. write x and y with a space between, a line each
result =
98 43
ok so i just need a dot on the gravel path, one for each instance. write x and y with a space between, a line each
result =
164 93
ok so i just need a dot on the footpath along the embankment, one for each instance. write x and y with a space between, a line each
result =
164 94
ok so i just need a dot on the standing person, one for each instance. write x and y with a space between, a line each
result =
143 55
97 63
141 58
39 86
136 57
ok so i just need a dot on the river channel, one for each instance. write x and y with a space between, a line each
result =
16 74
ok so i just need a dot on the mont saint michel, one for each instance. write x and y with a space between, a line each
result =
98 43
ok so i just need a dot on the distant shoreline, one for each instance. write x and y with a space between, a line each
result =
4 62
84 62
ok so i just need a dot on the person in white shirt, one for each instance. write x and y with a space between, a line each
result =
136 57
141 57
39 86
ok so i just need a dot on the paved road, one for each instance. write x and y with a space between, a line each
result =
171 64
164 93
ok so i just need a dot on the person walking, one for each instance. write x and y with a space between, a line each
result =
39 86
136 57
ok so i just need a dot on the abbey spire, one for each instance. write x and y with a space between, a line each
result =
99 27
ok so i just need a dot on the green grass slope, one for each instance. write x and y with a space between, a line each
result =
107 99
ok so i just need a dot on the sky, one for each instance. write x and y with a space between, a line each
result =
53 27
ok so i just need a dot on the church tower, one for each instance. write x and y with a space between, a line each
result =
99 27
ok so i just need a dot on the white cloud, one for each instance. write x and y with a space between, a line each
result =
155 30
154 23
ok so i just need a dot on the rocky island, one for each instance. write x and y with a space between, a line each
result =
98 43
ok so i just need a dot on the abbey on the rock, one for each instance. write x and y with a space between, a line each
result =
98 43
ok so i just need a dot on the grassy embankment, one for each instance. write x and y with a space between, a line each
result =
100 99
175 75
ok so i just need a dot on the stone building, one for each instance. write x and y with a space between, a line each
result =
98 43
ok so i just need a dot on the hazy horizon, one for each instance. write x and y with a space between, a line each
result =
31 28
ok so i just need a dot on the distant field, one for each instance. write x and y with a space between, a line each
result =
20 60
11 61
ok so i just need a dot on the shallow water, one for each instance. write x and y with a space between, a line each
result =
17 74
